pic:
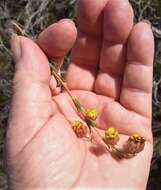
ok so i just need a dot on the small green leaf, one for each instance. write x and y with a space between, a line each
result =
77 104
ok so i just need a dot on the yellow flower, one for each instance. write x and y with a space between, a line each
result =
136 138
91 114
135 144
111 133
111 136
76 124
79 128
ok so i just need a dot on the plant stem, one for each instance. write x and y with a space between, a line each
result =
19 28
56 75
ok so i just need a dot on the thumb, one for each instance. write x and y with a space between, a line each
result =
32 103
30 61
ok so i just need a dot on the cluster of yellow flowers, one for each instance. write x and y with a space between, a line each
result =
134 144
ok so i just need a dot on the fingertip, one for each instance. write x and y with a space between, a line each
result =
90 16
32 62
141 43
66 21
142 30
147 22
118 20
58 38
144 23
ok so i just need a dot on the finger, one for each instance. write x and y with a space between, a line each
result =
137 85
57 40
85 55
118 22
32 103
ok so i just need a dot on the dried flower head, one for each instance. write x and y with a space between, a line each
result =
135 144
111 136
79 128
136 138
91 114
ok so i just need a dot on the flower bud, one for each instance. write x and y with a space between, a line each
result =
79 128
111 136
135 144
91 114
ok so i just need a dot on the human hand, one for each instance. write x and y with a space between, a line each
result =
111 70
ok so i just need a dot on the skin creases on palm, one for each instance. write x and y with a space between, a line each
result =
62 160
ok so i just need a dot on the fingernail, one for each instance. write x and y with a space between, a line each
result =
65 20
15 47
147 22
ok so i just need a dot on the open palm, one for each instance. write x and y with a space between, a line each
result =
111 70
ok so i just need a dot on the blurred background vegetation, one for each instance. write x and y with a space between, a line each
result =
34 16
